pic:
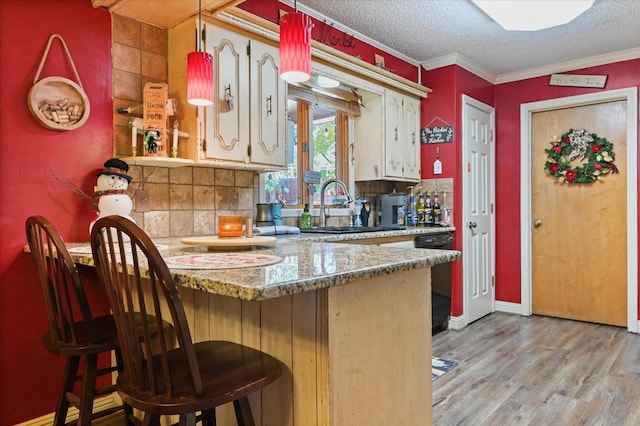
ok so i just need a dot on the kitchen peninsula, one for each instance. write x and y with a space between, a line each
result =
352 323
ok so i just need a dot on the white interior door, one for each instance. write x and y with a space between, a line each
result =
478 235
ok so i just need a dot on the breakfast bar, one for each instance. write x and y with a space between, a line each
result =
351 322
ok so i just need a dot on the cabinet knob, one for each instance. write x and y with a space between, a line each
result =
472 225
537 223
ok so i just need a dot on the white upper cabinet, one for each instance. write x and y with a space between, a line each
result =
227 130
245 127
387 138
268 106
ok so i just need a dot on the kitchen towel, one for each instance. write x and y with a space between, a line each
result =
276 230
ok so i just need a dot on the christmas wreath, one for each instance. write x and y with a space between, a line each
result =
579 157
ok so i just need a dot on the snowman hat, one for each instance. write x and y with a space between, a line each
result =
116 167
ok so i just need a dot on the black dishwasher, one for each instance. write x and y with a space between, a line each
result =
440 278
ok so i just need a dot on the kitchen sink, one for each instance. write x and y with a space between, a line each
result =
350 229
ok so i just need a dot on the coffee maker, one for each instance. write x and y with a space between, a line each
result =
391 209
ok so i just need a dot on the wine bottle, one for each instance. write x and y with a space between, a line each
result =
428 211
421 210
136 110
437 213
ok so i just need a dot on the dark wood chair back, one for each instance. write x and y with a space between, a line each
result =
164 379
71 322
74 331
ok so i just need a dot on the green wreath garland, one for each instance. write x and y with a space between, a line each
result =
594 154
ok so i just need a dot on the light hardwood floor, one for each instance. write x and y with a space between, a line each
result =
537 370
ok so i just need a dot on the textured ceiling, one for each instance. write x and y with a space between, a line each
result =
426 30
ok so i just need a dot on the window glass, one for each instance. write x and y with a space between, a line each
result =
314 149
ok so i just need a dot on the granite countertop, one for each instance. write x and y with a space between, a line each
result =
309 262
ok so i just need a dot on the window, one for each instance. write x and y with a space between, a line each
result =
317 135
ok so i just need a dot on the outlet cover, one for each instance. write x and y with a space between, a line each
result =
142 201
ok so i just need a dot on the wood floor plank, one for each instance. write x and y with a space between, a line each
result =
530 371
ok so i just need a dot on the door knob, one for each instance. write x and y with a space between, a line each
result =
537 223
472 225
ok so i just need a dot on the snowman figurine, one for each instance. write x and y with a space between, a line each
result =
110 194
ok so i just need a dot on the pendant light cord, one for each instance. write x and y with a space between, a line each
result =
199 24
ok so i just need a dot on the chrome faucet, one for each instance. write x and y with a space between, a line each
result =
323 214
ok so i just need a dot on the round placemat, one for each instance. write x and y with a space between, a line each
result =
221 260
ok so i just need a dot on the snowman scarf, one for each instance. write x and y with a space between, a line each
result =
98 194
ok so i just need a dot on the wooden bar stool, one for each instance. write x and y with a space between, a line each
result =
182 381
73 331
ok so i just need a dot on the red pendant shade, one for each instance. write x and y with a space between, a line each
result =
200 78
295 47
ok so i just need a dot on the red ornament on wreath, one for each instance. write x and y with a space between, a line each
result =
580 157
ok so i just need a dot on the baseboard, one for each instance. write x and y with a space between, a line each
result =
98 404
456 323
508 307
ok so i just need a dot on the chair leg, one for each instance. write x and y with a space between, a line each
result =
209 417
187 419
151 420
70 371
88 390
243 412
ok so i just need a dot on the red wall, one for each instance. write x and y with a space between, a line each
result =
444 104
28 153
509 97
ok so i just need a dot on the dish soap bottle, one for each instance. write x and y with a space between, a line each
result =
305 218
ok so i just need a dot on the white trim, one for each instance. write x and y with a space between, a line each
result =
462 61
526 110
480 71
508 307
457 323
99 404
592 61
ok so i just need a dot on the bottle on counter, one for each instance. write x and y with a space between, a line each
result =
305 218
428 211
412 218
437 210
421 210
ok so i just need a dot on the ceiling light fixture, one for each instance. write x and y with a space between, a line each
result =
327 82
200 72
532 15
295 46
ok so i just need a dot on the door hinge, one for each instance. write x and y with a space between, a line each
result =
305 147
491 208
493 281
249 49
203 34
249 151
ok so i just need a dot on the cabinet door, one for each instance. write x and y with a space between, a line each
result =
227 131
267 100
412 139
394 139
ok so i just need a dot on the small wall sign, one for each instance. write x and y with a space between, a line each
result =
577 80
438 134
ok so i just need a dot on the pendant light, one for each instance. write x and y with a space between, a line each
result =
295 46
200 72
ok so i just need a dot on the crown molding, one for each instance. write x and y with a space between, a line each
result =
592 61
462 61
469 65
